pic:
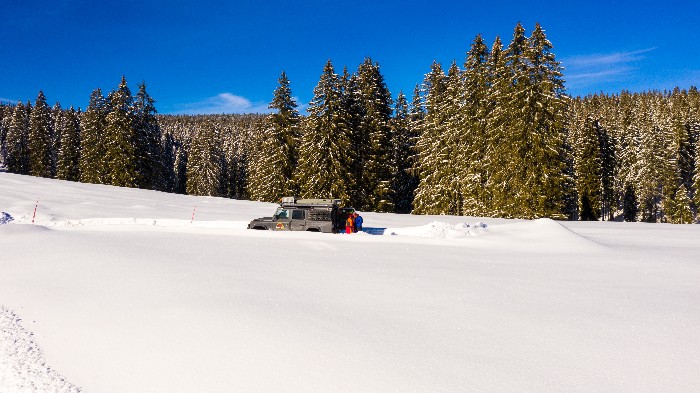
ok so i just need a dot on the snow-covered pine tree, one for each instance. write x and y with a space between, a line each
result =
683 133
40 138
677 208
120 139
671 144
68 161
275 157
4 123
148 147
57 114
17 140
470 157
696 179
352 115
588 170
694 131
403 140
435 193
529 138
324 151
169 149
93 147
374 99
204 171
607 171
627 138
497 159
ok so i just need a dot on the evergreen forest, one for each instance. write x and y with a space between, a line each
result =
494 136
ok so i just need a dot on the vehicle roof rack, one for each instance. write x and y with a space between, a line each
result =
311 202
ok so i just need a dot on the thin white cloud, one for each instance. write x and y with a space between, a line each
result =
604 60
224 103
590 71
7 101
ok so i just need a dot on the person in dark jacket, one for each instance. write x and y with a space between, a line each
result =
358 222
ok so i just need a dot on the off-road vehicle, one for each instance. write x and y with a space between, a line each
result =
315 215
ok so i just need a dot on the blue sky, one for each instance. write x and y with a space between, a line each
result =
225 56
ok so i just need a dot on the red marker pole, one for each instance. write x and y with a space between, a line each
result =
35 206
194 210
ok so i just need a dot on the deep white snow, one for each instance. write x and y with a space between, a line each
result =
119 290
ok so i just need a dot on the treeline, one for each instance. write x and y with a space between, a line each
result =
495 137
637 156
120 140
117 140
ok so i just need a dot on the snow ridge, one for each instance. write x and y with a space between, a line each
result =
22 365
157 222
440 230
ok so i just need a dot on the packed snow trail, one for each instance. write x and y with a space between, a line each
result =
22 365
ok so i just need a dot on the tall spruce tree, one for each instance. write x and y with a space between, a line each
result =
696 179
352 114
148 148
529 140
204 170
588 171
275 159
57 114
471 156
40 138
93 147
434 194
323 169
68 161
499 86
120 139
374 101
4 123
403 140
169 149
17 140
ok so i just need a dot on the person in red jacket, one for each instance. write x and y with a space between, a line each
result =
349 223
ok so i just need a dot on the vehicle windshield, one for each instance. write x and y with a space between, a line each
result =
281 214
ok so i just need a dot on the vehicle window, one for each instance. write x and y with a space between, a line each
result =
282 213
297 215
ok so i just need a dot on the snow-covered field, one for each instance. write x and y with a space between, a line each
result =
118 290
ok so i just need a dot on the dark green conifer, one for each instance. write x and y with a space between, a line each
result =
148 148
68 161
120 139
272 169
435 192
529 138
40 138
630 207
325 143
93 146
204 170
403 141
17 140
588 171
371 148
473 139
